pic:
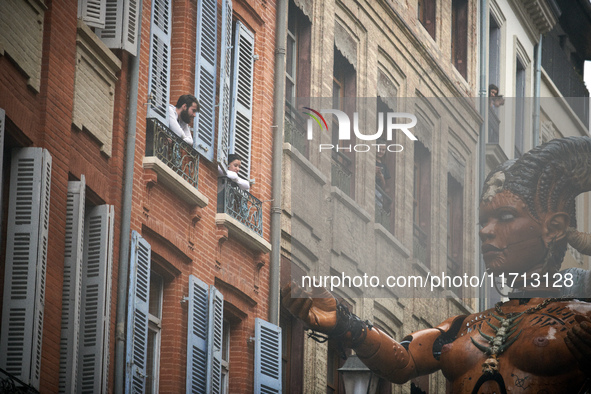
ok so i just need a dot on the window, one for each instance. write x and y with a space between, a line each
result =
455 218
225 358
421 203
459 37
494 52
236 115
384 193
519 106
205 76
292 353
118 28
426 15
25 264
343 92
94 88
154 329
297 77
21 29
159 71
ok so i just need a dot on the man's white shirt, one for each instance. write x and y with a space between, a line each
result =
178 126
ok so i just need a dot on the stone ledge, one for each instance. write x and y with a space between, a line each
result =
388 236
183 189
242 233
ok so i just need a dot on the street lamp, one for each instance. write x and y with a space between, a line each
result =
358 379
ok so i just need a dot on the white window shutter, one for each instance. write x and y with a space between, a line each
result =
205 76
26 259
92 12
121 25
214 341
242 83
197 336
72 288
225 85
96 300
137 314
159 73
267 358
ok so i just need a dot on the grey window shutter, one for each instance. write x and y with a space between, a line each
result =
121 25
159 73
205 76
214 341
241 112
267 358
26 259
92 12
197 336
72 288
225 85
96 300
137 315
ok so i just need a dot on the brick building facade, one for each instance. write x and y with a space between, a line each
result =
196 293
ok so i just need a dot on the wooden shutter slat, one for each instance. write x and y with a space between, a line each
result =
137 314
267 358
25 267
205 76
242 87
225 85
72 288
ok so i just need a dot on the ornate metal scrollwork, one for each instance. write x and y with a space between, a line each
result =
173 151
241 205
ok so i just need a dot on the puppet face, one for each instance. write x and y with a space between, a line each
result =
511 238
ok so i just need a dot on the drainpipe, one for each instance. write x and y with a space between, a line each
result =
134 67
537 86
481 141
278 115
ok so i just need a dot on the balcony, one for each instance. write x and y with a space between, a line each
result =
420 245
175 162
383 208
242 213
11 384
295 129
340 173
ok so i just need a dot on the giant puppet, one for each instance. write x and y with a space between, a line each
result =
540 340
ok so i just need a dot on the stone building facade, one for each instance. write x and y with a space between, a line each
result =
404 55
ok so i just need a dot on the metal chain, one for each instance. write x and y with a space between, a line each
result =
531 310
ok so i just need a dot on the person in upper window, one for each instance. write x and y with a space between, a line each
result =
496 99
181 115
234 162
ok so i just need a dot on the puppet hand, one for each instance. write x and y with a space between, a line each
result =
317 309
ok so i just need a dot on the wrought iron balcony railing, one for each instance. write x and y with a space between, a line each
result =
10 384
340 173
172 151
420 245
240 204
295 129
383 208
